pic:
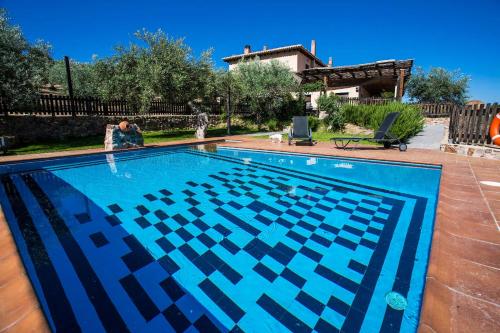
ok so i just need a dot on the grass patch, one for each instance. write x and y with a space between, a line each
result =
325 136
98 141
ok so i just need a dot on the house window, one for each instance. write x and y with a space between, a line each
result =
342 94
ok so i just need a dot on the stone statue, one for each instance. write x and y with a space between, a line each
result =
201 121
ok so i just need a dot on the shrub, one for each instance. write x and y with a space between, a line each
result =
314 123
272 124
334 120
409 123
291 107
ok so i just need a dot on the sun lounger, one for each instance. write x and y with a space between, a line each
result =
300 130
382 135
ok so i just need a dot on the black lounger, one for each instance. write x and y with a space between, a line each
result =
382 135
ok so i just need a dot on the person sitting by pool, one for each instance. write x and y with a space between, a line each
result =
127 136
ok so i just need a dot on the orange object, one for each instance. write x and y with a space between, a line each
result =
124 126
495 130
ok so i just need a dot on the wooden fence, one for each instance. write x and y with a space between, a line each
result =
432 110
54 105
470 124
365 100
437 110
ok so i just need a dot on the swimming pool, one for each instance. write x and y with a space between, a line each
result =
207 238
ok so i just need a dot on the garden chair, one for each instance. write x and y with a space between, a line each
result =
300 130
382 135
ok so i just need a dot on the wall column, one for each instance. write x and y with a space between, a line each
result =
325 83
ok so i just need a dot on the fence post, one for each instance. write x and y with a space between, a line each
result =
51 106
105 108
451 129
88 106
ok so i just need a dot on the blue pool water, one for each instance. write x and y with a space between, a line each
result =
217 239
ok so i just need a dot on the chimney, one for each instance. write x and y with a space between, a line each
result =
247 49
264 48
330 62
313 47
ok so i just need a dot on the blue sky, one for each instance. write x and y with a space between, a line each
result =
450 34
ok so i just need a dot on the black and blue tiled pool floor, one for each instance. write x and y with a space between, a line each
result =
247 248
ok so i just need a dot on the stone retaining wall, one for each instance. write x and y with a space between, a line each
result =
474 151
31 129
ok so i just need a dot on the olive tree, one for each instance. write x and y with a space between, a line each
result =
23 66
156 66
266 87
84 79
438 86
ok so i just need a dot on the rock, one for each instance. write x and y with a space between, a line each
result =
449 149
116 139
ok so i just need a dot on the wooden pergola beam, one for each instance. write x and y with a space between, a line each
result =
400 85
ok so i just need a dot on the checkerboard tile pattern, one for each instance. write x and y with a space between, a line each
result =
273 233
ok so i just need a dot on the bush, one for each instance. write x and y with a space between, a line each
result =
314 123
272 124
409 123
291 107
334 120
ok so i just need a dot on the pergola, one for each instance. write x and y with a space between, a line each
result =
385 74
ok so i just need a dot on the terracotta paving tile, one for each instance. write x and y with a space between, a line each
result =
455 205
7 245
16 300
496 212
33 322
472 279
487 175
450 186
479 231
491 194
19 307
10 268
455 214
446 310
482 252
470 196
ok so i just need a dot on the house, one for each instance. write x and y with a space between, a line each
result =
355 81
296 57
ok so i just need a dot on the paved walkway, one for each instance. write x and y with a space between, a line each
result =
265 133
429 138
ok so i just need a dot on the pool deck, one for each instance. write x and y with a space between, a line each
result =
462 292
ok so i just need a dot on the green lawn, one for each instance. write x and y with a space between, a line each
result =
98 141
326 136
